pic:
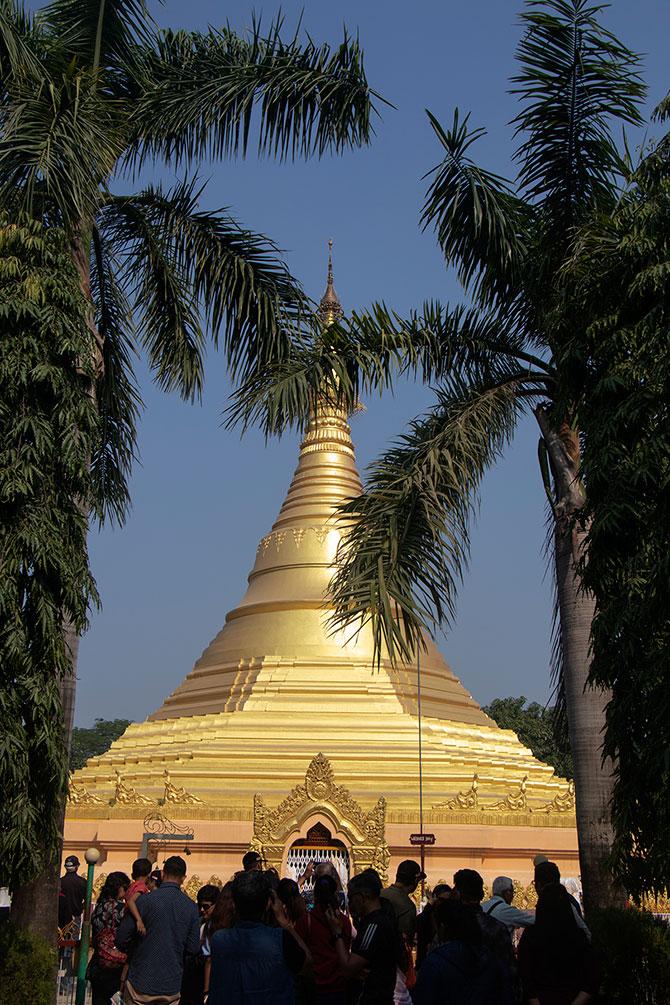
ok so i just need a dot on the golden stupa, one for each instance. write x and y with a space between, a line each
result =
282 726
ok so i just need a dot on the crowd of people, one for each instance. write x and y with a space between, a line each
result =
262 940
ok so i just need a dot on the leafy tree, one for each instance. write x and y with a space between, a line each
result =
48 430
91 90
534 724
622 266
503 357
94 740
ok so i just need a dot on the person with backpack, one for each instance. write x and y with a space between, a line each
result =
469 887
107 963
499 906
461 970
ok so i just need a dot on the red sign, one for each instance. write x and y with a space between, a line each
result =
422 839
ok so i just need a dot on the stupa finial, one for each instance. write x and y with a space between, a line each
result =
330 308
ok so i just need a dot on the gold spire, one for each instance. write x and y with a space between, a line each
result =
330 308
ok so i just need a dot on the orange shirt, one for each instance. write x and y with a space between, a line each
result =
138 886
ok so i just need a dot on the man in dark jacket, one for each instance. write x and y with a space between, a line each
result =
254 961
461 970
469 886
172 927
72 893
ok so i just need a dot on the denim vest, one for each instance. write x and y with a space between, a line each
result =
248 966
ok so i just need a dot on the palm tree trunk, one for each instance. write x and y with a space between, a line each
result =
585 705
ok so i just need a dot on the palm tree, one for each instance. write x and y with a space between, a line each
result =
620 264
93 89
503 357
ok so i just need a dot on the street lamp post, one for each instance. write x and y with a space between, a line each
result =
92 855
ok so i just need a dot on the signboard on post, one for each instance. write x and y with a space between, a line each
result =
422 839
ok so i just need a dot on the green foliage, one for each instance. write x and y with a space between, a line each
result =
27 968
94 740
535 726
408 537
623 267
200 90
48 431
88 89
634 952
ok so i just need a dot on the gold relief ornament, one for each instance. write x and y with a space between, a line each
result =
176 793
272 828
657 904
381 860
191 888
375 822
564 802
463 800
514 802
126 794
525 897
79 795
98 884
319 780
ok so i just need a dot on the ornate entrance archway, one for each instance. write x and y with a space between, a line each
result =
363 831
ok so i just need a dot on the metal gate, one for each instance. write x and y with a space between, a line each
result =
300 856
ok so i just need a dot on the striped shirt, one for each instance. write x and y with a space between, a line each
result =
376 941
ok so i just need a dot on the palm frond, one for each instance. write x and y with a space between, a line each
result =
438 340
20 45
576 82
236 277
365 352
98 33
117 396
161 291
199 93
407 539
479 221
59 145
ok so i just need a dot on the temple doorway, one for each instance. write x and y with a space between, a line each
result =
319 845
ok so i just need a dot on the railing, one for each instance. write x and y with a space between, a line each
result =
68 947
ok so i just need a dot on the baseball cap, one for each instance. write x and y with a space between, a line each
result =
251 859
409 871
71 862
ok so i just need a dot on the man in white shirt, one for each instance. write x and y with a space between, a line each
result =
500 906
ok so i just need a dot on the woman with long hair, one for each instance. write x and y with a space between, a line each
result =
107 963
556 962
222 915
315 930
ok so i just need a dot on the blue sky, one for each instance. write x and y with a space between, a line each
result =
202 497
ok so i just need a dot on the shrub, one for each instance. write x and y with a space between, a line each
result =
634 951
27 968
